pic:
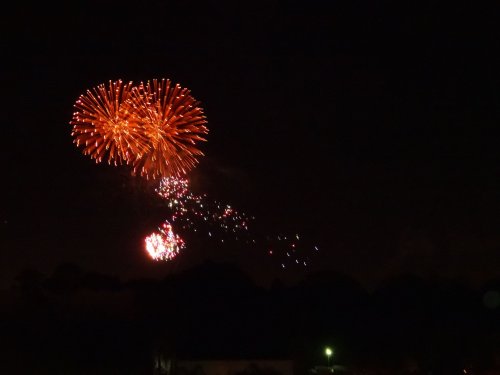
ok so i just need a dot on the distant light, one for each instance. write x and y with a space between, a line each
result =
328 351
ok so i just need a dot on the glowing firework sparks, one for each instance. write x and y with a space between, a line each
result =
103 124
164 244
198 211
291 251
155 128
223 223
172 123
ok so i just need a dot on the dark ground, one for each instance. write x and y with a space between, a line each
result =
74 320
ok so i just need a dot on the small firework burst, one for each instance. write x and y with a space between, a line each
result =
174 190
164 244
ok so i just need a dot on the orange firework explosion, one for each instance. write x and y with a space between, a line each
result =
172 123
103 124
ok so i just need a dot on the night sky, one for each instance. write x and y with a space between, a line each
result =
369 127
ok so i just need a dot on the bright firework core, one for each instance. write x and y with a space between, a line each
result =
165 244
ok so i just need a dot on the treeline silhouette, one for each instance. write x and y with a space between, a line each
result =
77 321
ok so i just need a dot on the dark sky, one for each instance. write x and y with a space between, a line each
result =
371 127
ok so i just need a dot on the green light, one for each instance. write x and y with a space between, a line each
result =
329 353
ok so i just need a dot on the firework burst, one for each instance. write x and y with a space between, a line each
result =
164 244
103 124
173 123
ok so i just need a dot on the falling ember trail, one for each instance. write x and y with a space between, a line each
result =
198 212
222 223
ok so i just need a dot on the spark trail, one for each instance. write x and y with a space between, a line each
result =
198 214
